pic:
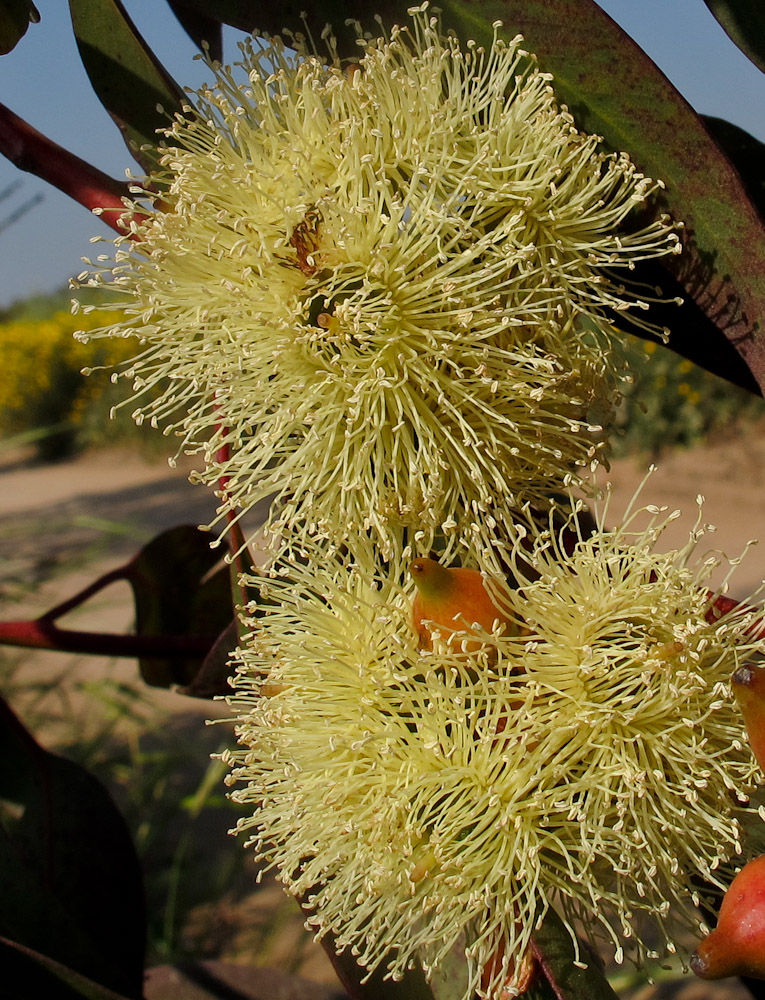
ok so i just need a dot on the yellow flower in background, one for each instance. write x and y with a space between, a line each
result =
41 369
385 286
586 756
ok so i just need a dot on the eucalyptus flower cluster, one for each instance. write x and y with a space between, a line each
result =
382 293
383 290
586 754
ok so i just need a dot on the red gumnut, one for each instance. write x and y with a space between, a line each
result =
748 684
736 947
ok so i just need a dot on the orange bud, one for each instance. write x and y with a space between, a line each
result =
450 600
736 947
748 684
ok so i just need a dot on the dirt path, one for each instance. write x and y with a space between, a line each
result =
730 475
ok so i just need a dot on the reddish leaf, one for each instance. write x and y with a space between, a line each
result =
178 594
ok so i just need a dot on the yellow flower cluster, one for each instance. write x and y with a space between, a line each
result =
589 754
386 289
42 361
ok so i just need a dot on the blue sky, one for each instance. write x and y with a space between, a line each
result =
43 81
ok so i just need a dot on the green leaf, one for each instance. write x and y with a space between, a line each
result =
15 18
554 950
178 594
746 153
744 23
129 80
70 882
68 982
200 27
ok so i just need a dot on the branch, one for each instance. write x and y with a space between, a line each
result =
241 558
30 150
41 633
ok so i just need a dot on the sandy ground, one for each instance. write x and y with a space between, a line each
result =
62 525
729 474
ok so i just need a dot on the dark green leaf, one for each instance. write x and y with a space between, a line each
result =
694 333
555 952
744 22
178 594
70 882
200 27
243 14
15 18
66 982
125 74
746 153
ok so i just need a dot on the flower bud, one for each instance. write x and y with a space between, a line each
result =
450 601
736 947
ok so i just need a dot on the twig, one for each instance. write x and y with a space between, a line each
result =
30 150
43 633
39 633
113 576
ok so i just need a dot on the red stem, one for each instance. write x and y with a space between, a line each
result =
236 540
30 150
44 634
113 576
